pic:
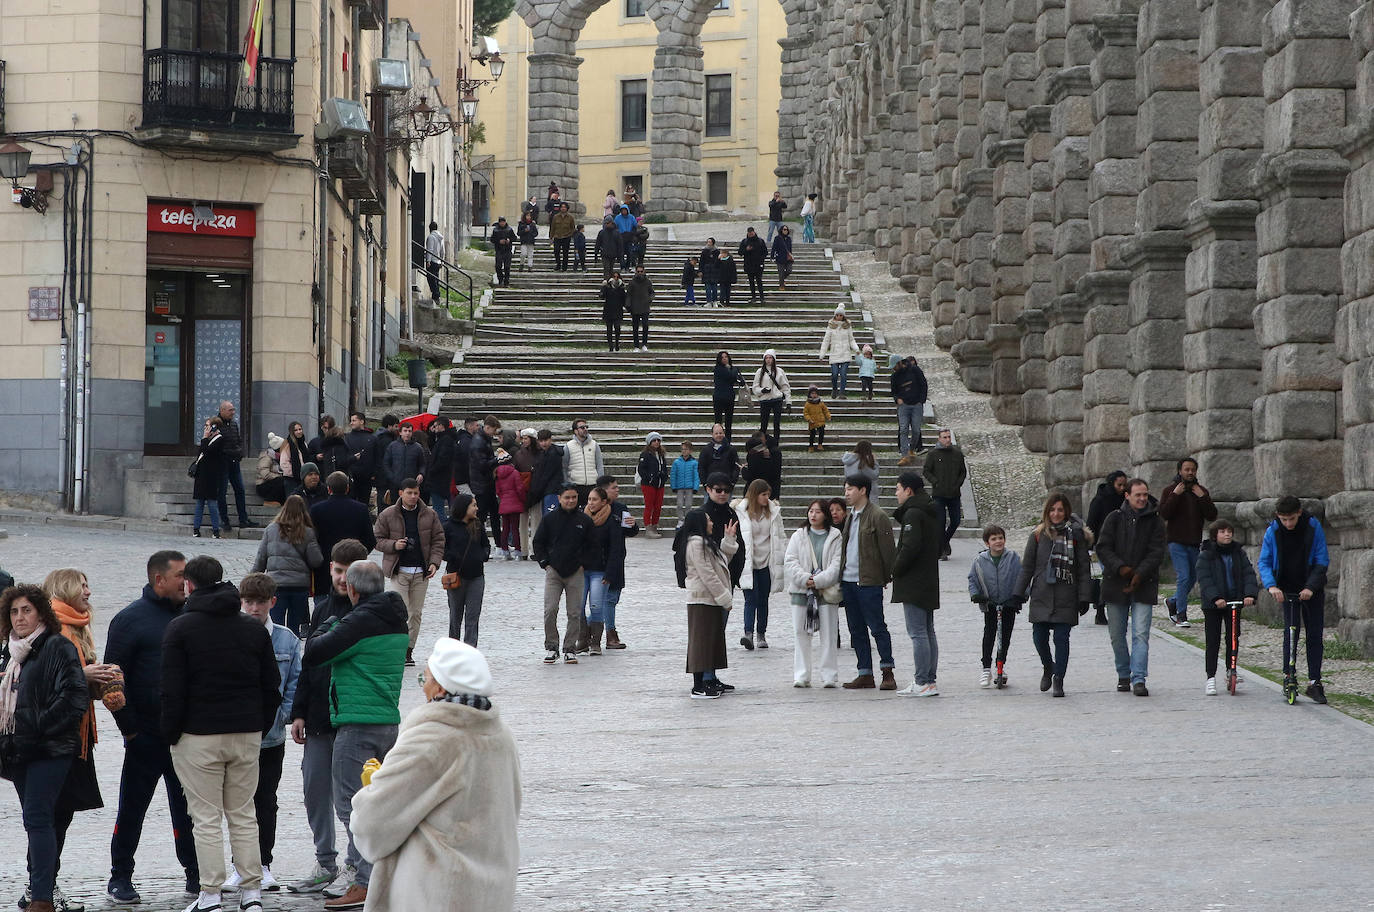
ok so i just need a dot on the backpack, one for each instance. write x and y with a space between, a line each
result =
680 557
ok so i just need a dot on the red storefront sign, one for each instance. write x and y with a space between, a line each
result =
226 221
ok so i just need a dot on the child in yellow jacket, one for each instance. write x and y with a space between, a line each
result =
817 413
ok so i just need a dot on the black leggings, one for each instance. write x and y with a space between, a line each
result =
816 435
1214 619
774 406
725 412
990 633
613 335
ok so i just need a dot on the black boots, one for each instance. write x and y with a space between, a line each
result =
1046 679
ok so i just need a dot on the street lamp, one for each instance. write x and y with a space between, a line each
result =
14 162
469 107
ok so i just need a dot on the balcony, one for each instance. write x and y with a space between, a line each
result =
369 14
200 99
353 164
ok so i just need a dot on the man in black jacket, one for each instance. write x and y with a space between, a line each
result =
336 518
482 473
220 694
503 240
443 457
232 451
311 726
134 643
754 254
359 440
909 392
718 456
405 458
560 547
380 443
608 247
1131 548
460 454
776 207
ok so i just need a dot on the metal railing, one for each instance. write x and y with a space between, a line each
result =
202 88
446 270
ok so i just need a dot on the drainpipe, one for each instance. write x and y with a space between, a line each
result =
322 216
385 191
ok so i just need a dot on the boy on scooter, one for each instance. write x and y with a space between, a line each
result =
992 582
1292 566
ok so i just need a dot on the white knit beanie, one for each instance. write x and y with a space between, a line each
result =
459 668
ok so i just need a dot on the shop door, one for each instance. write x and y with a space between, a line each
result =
194 354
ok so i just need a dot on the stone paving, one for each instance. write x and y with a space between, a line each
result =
637 798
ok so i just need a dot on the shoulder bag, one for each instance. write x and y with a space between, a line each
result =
455 580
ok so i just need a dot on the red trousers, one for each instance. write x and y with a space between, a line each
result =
653 504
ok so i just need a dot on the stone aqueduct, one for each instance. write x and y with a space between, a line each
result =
1145 227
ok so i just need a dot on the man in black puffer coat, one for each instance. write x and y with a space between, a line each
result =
220 694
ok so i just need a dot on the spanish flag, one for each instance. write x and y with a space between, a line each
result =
252 43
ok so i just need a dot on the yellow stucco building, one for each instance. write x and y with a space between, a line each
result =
739 149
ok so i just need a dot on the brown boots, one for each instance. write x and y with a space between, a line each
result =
866 682
613 640
594 637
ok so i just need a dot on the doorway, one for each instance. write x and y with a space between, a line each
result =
196 354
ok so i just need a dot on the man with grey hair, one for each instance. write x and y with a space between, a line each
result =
233 474
365 652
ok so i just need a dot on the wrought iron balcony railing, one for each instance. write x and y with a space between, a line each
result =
207 90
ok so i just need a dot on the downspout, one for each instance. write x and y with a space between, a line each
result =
354 264
322 226
385 191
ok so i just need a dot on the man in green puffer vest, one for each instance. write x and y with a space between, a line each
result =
365 652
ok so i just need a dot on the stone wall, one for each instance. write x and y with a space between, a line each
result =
1146 227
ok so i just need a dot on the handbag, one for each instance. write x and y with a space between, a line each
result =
813 614
194 467
455 580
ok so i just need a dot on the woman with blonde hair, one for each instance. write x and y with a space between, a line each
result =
70 594
765 544
288 552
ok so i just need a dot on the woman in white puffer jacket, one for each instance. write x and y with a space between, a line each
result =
765 540
812 564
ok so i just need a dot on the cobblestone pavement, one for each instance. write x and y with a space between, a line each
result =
775 798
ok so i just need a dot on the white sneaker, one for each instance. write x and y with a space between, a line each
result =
911 690
930 690
830 684
646 348
517 555
985 679
251 901
231 883
801 683
1184 623
206 902
1211 687
760 641
269 883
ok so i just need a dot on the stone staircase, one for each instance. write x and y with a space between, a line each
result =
538 359
161 489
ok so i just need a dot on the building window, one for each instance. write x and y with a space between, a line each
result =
634 8
718 105
635 182
634 110
722 5
716 194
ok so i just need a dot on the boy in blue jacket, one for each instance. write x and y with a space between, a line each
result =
1293 562
992 582
684 480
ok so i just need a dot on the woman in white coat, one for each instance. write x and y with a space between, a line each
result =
771 391
812 567
438 818
760 526
839 348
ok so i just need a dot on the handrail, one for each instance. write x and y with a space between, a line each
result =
426 256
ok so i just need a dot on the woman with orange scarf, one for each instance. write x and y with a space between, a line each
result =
71 601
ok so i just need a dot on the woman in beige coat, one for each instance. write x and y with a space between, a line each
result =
709 596
839 348
438 819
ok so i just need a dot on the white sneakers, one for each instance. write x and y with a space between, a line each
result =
919 690
1211 690
235 879
985 679
801 683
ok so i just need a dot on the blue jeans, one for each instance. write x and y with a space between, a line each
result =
38 783
863 608
594 597
712 292
839 377
1040 636
292 609
200 513
689 295
909 426
440 504
1132 661
233 476
953 511
920 626
756 602
773 228
612 599
1185 566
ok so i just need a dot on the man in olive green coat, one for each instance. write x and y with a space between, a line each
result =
916 578
865 568
945 471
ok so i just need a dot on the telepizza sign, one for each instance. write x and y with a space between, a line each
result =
219 221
